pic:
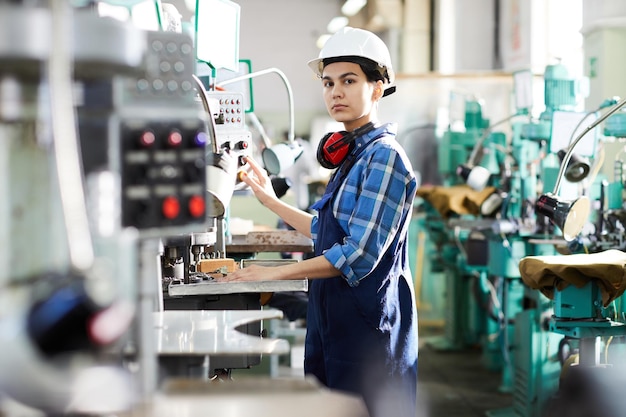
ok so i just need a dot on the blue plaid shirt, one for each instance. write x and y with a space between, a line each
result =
373 205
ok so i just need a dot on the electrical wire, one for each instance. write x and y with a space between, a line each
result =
498 313
507 245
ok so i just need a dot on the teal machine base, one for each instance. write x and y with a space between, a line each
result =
537 369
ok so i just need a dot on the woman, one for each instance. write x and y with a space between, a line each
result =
361 318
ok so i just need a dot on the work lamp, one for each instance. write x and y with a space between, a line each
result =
570 216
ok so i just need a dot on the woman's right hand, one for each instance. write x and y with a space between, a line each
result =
258 181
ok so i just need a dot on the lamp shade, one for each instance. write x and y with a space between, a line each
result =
281 156
280 185
569 216
577 168
476 177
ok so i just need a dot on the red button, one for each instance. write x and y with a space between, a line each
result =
171 207
196 206
147 138
175 138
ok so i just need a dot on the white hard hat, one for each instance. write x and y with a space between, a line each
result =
355 42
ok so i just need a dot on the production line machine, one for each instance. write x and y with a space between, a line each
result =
464 273
486 218
111 163
190 262
585 282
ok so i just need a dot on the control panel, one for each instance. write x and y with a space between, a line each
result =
229 111
233 137
151 130
168 78
163 173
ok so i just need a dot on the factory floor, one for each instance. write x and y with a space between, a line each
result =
451 383
454 383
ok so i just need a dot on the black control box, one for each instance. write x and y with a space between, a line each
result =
151 131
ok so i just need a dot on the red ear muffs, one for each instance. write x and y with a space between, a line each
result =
335 147
333 150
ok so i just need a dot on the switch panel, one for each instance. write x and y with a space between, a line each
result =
231 112
151 130
163 174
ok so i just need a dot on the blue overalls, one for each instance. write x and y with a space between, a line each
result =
363 339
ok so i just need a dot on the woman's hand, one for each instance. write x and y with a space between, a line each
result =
259 182
251 273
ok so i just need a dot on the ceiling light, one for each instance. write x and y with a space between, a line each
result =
337 23
352 7
321 41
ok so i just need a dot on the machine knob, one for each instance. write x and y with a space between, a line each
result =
67 319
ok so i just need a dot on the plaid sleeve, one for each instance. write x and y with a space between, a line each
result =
373 205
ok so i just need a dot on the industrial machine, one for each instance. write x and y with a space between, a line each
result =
585 316
190 261
544 335
490 221
76 295
588 312
109 146
531 369
466 319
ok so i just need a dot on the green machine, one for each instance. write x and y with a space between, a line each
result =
459 145
610 218
561 94
466 290
532 374
593 328
487 303
537 364
588 380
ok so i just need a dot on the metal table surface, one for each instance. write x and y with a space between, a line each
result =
269 241
213 332
213 287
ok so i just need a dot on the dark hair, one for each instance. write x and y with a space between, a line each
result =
373 72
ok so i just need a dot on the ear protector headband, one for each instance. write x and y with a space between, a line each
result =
335 147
